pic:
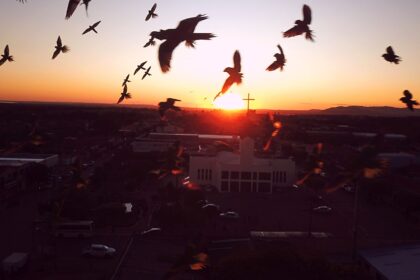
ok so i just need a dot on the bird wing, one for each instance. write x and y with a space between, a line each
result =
87 30
294 31
120 99
56 52
59 43
71 7
96 24
137 70
189 24
144 75
165 54
281 50
408 94
149 15
153 8
273 66
390 51
228 83
125 90
237 61
2 61
307 14
6 51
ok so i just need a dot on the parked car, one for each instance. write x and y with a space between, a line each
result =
98 251
211 209
322 209
229 215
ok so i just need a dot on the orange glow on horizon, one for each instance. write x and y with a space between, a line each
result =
229 101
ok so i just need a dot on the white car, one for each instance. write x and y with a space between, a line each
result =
99 251
322 209
229 215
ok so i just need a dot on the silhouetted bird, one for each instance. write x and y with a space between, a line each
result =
302 26
126 80
71 7
280 61
151 13
408 100
150 42
168 105
92 28
147 73
235 75
6 56
22 1
59 48
391 56
124 95
173 37
86 3
140 67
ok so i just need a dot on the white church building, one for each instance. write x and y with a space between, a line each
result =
241 172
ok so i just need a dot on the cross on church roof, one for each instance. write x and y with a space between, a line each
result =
248 100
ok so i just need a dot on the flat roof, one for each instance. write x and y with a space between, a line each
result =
395 263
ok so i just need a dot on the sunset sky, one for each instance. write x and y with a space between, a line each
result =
343 67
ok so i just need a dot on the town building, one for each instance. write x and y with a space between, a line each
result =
243 171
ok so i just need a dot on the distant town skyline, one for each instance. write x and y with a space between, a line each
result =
342 67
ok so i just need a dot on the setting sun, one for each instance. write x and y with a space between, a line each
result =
230 101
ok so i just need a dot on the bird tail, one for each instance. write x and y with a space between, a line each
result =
154 15
152 42
65 49
10 58
309 35
398 60
198 36
201 36
128 95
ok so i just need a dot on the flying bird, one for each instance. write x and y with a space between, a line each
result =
147 73
71 7
86 3
408 100
169 104
280 61
150 42
22 1
59 48
126 80
151 13
235 75
6 56
391 56
140 67
276 130
92 28
124 95
173 37
302 26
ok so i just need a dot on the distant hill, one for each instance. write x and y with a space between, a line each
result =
384 111
371 111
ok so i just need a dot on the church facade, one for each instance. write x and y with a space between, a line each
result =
243 171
